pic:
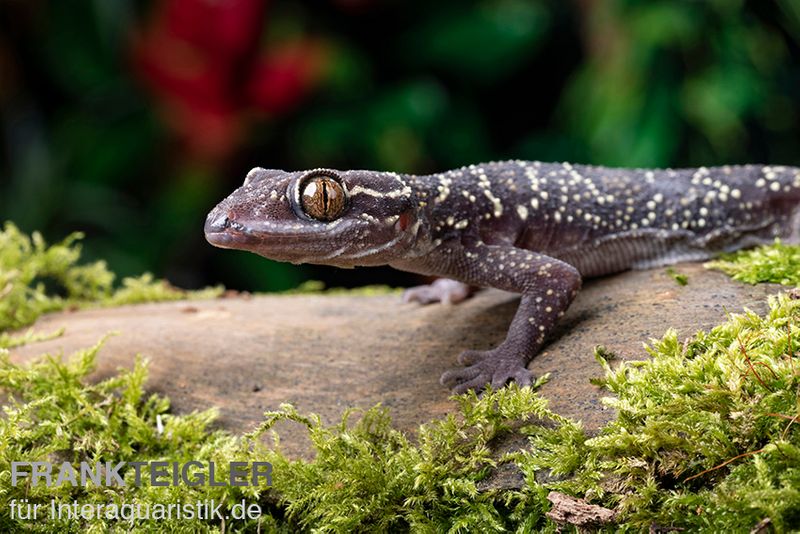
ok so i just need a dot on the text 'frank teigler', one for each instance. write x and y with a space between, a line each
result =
192 473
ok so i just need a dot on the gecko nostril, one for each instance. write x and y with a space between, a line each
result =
217 222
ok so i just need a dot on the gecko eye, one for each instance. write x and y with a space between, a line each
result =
323 198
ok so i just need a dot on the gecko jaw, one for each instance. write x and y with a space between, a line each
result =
231 239
289 242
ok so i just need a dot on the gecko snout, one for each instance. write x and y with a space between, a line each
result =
217 221
223 230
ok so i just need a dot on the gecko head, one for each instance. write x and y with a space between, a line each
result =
324 216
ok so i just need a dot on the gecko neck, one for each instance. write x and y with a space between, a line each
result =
428 192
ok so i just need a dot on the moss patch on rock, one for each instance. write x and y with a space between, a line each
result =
778 263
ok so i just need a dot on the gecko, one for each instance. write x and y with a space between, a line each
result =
533 228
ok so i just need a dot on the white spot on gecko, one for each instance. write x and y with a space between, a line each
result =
498 206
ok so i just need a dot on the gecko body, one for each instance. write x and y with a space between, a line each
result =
534 228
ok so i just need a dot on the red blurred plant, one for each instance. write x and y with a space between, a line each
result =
204 61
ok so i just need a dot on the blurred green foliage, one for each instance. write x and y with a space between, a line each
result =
90 142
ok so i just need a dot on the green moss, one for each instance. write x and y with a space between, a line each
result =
704 438
54 414
369 477
9 341
680 279
36 279
777 263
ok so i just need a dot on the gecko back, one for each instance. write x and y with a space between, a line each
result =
604 220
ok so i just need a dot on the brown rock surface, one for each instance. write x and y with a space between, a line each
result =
324 353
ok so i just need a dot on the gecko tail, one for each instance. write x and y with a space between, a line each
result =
793 238
786 210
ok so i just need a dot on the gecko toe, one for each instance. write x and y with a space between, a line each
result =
521 376
442 290
471 357
478 384
524 378
420 294
454 378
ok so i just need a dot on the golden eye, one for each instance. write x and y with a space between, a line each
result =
323 198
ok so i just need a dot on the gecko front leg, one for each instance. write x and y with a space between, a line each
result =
548 287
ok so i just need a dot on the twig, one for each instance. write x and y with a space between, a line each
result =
774 375
750 364
790 348
723 464
792 420
784 416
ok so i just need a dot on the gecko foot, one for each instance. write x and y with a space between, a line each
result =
486 367
442 290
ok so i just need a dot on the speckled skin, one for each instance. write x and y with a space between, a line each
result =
529 227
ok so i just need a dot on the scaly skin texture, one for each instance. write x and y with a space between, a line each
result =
529 227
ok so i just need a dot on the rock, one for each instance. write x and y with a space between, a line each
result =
762 527
327 352
568 510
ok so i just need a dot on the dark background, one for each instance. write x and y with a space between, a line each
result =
129 120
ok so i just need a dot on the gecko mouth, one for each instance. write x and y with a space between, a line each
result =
230 239
223 232
273 241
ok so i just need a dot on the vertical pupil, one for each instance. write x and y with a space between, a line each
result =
322 198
